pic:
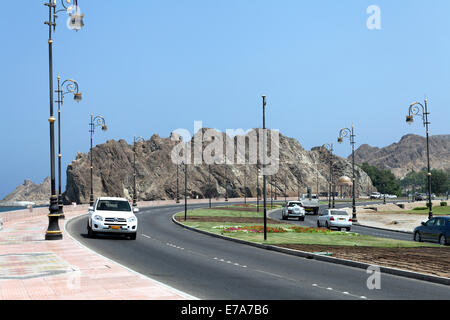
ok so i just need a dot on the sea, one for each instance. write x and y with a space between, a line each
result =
5 209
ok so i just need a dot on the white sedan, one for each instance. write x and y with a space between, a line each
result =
335 218
112 215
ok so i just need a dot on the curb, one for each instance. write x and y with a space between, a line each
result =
383 229
309 255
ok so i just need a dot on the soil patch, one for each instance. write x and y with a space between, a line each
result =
227 219
433 261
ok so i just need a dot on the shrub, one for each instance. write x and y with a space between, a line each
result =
421 208
443 204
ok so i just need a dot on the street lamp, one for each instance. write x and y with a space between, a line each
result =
257 188
53 232
350 133
136 140
185 190
414 110
67 87
329 147
178 186
264 167
98 121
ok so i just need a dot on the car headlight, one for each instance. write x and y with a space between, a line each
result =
132 219
98 218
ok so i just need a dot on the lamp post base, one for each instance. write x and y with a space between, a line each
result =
53 232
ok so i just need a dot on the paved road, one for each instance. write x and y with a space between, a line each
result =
311 221
212 268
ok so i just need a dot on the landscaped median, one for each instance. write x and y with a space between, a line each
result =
246 224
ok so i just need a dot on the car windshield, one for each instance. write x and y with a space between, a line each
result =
292 204
113 205
338 213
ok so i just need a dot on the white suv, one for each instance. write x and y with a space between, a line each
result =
112 215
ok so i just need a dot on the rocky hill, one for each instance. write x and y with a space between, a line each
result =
157 174
409 152
30 192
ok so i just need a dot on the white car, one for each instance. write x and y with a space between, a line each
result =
293 209
112 215
335 218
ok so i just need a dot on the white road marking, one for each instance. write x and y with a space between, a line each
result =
337 291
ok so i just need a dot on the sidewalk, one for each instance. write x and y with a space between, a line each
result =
34 269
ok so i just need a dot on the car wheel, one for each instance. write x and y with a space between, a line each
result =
318 224
442 240
327 226
417 237
133 236
348 229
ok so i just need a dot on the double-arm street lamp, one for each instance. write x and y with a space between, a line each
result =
329 147
98 121
414 110
66 87
53 232
136 140
350 133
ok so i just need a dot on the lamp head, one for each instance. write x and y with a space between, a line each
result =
76 21
104 127
340 140
78 97
409 119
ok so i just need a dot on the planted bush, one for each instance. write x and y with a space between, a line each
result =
443 204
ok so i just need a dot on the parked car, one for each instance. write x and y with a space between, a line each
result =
335 218
293 209
113 216
436 229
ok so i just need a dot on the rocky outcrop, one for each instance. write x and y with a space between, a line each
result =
156 177
30 192
409 153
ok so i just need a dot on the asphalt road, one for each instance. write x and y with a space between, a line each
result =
212 268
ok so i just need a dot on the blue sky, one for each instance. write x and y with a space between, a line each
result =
155 66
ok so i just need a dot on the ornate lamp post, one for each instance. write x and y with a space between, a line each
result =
178 186
245 184
185 190
98 121
257 188
414 110
67 87
209 185
53 232
350 133
264 167
136 140
329 147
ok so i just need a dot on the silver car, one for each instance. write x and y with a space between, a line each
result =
335 218
293 209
